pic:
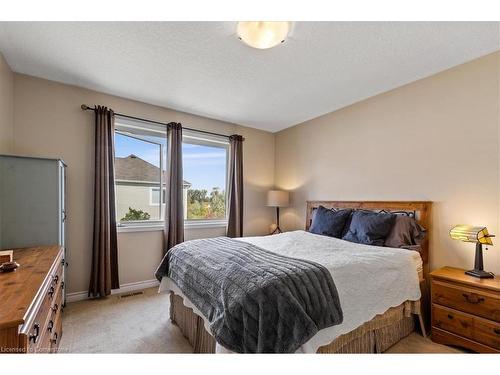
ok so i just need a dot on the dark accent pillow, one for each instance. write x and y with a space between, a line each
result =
329 222
369 228
405 232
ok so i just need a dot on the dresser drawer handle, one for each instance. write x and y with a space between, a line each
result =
55 279
50 326
34 336
54 340
450 316
55 308
51 291
473 298
497 331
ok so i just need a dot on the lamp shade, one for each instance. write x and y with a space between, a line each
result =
278 198
469 233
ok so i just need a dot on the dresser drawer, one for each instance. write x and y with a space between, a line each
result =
34 330
57 276
44 343
468 299
56 333
452 321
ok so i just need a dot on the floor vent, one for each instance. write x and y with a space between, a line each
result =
131 294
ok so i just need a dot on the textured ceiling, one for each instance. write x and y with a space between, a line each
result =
202 68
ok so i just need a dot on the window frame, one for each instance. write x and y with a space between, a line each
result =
208 140
190 137
163 197
142 139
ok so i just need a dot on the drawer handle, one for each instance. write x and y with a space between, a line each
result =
473 298
34 337
55 279
54 340
62 285
51 291
497 331
50 326
450 316
55 308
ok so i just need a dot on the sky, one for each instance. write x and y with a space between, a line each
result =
204 167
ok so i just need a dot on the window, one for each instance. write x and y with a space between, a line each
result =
205 177
155 196
140 162
140 151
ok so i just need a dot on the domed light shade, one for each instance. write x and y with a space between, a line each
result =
263 34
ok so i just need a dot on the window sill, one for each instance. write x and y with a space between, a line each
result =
159 226
139 228
205 224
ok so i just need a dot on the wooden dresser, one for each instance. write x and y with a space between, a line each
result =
31 301
465 310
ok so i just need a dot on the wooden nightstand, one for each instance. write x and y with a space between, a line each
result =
465 310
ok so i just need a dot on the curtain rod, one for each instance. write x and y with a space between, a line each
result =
85 107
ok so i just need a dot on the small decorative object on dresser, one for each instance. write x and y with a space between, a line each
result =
31 301
465 310
5 256
8 266
277 198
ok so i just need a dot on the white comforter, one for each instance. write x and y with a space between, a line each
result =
369 279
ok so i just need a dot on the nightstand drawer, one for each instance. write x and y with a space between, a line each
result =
487 332
481 330
452 321
464 298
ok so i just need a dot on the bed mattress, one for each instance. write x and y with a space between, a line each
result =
369 279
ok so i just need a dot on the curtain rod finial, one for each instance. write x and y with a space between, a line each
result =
84 107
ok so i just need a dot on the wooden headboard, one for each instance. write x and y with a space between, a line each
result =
421 209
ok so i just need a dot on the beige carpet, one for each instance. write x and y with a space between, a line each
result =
140 324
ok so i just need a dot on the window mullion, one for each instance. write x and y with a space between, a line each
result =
160 191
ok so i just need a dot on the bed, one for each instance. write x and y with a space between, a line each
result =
383 290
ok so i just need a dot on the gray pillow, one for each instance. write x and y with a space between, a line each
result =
405 233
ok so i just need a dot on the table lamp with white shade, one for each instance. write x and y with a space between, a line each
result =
277 198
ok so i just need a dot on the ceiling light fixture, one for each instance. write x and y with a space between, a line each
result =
263 34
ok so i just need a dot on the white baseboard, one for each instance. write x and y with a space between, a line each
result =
124 288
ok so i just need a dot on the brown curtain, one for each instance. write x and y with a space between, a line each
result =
104 272
235 193
174 209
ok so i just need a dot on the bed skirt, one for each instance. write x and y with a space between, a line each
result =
374 336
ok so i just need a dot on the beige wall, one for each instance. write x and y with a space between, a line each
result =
49 122
435 139
6 106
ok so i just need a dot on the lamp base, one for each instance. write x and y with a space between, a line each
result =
277 230
478 270
480 274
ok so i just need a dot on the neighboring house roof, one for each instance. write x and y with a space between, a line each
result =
134 169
